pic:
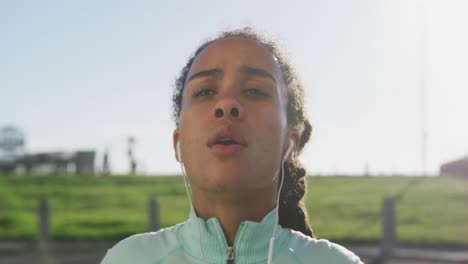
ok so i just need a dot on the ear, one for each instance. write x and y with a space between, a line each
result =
175 141
295 135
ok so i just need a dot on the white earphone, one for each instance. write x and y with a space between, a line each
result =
272 239
291 145
189 195
178 152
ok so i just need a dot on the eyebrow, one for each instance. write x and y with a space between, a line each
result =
206 73
249 70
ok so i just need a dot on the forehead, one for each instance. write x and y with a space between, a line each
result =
235 52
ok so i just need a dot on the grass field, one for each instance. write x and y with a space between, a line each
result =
432 212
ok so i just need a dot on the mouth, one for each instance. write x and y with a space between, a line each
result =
227 142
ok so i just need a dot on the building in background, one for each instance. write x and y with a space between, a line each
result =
455 168
13 157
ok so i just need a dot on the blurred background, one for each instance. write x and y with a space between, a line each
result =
85 95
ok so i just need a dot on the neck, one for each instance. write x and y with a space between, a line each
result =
232 208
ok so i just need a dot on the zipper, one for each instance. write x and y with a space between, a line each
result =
230 255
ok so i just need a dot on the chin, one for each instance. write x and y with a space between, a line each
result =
233 178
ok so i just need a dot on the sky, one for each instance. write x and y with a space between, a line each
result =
89 74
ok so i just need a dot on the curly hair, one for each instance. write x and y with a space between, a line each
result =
292 211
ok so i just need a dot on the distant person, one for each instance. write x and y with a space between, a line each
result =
105 163
131 157
238 108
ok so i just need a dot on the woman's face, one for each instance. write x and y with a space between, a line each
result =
233 126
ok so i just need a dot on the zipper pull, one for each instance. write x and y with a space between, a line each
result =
230 255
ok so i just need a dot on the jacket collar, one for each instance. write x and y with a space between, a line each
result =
250 245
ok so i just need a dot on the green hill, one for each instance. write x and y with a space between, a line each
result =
432 211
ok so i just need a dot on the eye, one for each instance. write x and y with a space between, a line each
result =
257 92
204 92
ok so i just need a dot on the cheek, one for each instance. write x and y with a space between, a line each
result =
269 135
190 116
193 112
275 122
193 139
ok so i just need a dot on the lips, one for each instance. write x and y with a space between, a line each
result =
226 141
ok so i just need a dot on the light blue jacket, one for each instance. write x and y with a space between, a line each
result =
181 244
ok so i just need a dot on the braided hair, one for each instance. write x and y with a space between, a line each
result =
292 212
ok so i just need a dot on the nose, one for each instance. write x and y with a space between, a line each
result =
228 108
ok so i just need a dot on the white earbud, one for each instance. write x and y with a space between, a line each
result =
178 157
291 145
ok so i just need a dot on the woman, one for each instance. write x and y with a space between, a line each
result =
238 107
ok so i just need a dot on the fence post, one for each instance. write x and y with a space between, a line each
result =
389 238
153 215
44 234
388 227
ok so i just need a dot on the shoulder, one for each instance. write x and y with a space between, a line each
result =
319 250
144 248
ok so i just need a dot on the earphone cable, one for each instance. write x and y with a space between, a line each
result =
189 194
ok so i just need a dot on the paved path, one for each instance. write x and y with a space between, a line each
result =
407 255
